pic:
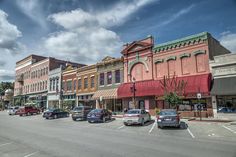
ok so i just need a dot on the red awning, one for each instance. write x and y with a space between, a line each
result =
195 84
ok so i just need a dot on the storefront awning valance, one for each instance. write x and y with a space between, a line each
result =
194 84
105 94
224 86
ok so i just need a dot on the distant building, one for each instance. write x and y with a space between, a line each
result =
224 83
86 85
31 82
110 75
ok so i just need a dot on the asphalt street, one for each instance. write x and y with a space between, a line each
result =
33 136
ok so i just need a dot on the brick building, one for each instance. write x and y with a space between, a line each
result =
145 66
86 85
110 76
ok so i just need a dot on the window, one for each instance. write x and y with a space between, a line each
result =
109 77
57 84
101 79
50 86
92 82
69 85
53 84
85 83
46 86
117 73
74 84
79 84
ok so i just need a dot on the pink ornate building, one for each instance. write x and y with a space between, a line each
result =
186 58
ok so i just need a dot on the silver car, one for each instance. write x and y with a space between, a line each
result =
136 116
12 110
168 117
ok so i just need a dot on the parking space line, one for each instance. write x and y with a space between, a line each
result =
229 129
4 144
121 127
190 133
153 126
28 155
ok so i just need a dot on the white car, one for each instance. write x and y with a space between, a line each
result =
136 116
12 110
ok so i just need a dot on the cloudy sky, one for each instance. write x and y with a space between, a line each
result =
87 30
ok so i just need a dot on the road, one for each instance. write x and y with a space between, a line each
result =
33 136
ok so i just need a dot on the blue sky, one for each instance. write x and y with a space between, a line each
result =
87 30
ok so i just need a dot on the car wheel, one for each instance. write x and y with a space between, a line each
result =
103 119
126 124
142 122
20 115
55 116
74 119
89 121
159 126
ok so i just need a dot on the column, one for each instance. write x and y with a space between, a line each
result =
214 106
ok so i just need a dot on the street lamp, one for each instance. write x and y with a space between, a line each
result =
133 90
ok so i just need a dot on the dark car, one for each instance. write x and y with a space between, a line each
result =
55 113
80 112
99 115
168 117
27 110
225 110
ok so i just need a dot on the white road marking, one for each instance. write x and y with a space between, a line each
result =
229 129
30 154
4 144
121 127
191 133
154 124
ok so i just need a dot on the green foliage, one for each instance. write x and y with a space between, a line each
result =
4 86
172 98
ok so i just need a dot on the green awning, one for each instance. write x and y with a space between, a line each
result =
224 86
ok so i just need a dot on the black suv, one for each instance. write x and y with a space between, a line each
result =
80 112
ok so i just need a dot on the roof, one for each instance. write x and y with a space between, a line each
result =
182 41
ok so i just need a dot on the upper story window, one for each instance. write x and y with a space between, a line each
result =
101 79
117 76
109 77
79 84
85 83
74 84
92 82
69 85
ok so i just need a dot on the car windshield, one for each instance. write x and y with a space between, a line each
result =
78 108
96 111
133 112
168 113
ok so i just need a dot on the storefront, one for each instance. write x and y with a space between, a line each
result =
86 100
107 99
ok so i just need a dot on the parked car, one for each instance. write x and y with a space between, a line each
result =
136 116
27 110
99 115
80 112
225 110
55 113
168 117
12 110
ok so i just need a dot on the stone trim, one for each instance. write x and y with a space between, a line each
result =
159 61
184 55
171 58
198 52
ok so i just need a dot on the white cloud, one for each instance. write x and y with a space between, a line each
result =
10 48
228 40
9 34
33 10
177 15
87 37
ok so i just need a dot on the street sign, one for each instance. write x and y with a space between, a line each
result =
199 95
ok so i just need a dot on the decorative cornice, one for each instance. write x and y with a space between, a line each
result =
184 55
182 42
171 58
159 61
198 52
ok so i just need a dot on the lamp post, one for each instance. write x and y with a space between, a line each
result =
133 90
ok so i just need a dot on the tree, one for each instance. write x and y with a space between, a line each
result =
4 86
173 89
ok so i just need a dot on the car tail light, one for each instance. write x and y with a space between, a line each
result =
177 118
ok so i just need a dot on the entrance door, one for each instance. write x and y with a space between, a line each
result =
141 104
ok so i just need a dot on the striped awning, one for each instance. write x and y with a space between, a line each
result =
105 94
